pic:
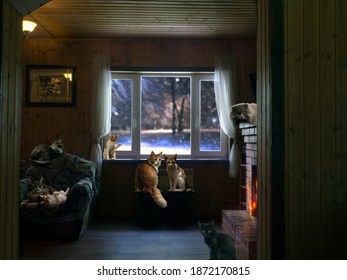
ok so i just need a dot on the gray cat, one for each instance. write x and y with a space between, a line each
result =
244 112
44 153
222 246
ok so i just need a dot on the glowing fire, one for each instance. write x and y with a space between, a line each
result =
253 206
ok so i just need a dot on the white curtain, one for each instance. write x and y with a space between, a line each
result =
100 105
226 96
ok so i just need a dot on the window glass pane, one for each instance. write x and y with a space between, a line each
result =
121 112
209 122
165 115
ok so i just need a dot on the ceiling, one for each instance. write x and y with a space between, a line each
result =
106 19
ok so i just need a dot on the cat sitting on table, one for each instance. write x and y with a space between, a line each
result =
177 175
146 178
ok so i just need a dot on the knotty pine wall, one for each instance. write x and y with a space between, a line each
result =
316 131
302 129
216 191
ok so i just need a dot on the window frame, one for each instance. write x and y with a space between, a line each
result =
197 75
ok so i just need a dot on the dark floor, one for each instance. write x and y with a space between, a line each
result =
109 240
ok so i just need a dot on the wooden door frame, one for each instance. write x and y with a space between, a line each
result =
271 134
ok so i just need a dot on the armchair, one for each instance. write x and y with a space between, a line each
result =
69 220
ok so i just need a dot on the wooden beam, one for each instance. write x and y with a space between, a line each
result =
10 106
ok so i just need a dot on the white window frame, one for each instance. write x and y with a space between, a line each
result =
195 114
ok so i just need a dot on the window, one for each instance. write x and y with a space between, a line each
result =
169 112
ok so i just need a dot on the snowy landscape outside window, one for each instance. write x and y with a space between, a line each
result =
166 112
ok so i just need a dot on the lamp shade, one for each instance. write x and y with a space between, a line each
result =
28 26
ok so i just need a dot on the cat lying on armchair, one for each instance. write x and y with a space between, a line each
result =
61 206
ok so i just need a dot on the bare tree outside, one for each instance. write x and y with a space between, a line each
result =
165 114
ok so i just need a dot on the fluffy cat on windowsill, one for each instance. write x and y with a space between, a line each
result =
111 147
146 178
222 246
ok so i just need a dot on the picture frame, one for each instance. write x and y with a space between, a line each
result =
50 85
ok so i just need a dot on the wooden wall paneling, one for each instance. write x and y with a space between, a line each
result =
214 190
316 202
294 77
10 101
339 193
276 123
312 138
329 125
264 208
15 109
42 124
4 137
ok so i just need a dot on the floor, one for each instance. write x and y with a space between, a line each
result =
108 240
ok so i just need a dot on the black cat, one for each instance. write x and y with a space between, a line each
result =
222 246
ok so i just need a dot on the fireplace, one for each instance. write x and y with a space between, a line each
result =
248 168
241 224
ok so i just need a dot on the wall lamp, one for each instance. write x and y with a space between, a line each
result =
28 27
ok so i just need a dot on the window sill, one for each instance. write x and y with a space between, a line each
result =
183 160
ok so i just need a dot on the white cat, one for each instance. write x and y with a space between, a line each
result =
111 147
55 199
177 175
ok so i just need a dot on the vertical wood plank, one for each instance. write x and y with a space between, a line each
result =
294 129
3 135
312 118
264 245
316 113
340 191
328 122
10 99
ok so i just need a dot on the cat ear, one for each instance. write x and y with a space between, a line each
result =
175 156
165 156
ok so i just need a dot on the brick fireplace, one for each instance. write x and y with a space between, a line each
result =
241 224
248 168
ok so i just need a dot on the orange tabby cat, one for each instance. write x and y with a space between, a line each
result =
111 147
146 178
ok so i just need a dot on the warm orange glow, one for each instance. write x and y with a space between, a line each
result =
253 206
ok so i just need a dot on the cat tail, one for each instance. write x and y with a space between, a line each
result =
158 197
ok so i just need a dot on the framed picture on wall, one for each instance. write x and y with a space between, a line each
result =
50 85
